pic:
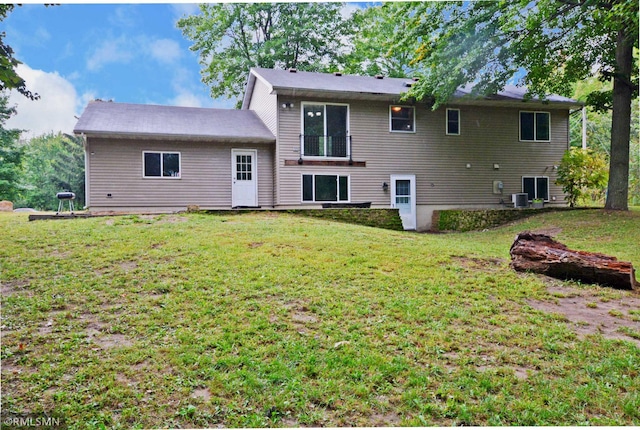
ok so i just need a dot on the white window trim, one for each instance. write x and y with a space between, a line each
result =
535 131
446 125
535 184
313 190
320 157
413 109
161 153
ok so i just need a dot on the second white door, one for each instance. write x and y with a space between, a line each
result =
403 197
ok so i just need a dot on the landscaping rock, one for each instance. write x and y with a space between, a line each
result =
6 206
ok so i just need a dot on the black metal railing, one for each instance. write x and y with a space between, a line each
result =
325 146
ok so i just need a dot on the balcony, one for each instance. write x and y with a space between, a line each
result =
325 146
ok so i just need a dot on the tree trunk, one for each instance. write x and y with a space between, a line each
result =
618 188
539 253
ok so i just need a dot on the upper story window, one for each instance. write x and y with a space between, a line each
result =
161 164
402 118
453 121
535 126
325 130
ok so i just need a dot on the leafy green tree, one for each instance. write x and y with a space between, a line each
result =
9 79
599 132
582 172
374 52
233 37
52 163
10 154
546 45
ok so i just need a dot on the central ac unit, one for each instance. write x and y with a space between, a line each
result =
520 200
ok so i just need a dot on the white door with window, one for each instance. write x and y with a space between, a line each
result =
403 197
244 189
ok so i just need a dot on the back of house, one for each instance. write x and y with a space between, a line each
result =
304 140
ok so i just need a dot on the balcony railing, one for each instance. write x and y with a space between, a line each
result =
325 146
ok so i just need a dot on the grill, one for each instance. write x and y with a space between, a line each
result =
68 196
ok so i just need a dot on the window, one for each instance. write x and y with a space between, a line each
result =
537 187
325 188
535 126
402 118
161 164
453 121
324 130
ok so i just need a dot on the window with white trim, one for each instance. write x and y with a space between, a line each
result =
453 122
535 126
161 164
325 130
402 118
325 188
537 187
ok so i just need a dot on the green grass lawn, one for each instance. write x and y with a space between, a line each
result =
274 320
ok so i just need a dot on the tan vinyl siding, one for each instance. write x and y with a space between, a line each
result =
115 167
265 105
488 135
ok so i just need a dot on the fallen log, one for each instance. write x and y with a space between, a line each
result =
539 253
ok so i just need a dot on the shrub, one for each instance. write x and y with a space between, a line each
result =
582 172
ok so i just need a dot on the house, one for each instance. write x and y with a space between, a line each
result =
305 139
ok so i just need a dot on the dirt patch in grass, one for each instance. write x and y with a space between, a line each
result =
201 393
478 263
589 313
387 419
128 266
8 288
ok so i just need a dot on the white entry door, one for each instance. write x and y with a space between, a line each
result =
244 190
403 197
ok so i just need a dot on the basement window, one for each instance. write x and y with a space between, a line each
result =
325 188
537 187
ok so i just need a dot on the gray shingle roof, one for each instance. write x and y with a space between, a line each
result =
186 123
352 86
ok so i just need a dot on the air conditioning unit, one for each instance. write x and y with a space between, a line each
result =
520 200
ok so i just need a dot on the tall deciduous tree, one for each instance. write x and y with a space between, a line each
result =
373 51
546 45
9 78
233 37
10 154
52 163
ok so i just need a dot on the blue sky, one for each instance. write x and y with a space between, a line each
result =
73 53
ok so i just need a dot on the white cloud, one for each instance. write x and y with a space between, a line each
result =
186 90
181 10
186 98
124 16
110 51
165 50
53 112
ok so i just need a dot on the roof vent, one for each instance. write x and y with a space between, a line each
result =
379 77
408 84
415 79
337 73
292 70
